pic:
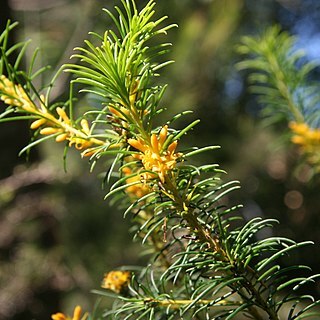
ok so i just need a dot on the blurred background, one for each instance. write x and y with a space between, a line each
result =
57 234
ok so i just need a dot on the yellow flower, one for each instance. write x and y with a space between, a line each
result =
76 315
299 128
79 143
15 95
61 126
153 155
116 281
309 141
50 130
119 112
62 137
63 116
140 188
80 138
308 138
37 123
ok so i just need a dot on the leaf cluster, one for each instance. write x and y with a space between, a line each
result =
125 64
281 76
245 278
205 261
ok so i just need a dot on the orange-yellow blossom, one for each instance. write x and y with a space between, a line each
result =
153 157
37 123
116 280
65 130
76 315
309 141
308 138
139 188
120 112
14 95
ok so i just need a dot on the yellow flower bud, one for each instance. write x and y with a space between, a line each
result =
132 98
8 101
116 280
120 114
163 135
299 128
43 107
27 106
154 143
314 135
298 140
49 130
77 313
63 114
137 144
114 111
85 126
61 137
58 316
172 147
37 123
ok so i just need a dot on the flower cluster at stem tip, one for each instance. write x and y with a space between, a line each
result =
308 139
61 127
137 183
77 313
154 156
304 135
116 280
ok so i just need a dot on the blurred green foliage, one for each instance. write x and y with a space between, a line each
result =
57 235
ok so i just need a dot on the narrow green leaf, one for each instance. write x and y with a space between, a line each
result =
200 150
281 253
